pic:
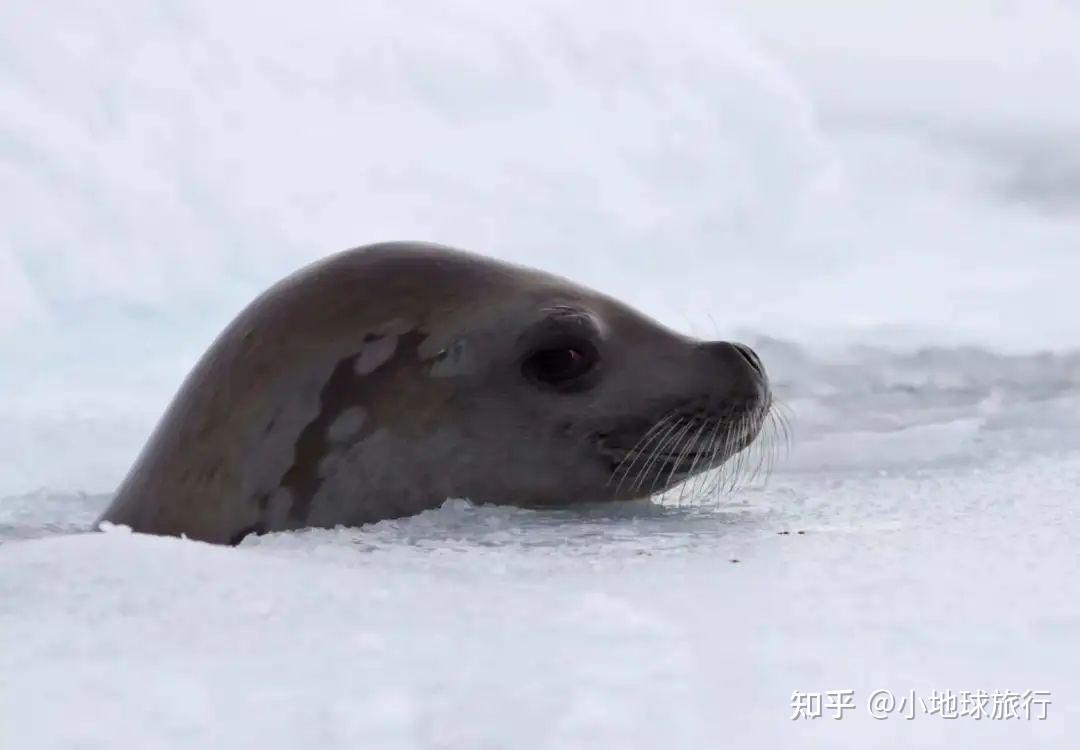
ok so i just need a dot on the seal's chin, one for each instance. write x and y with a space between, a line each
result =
676 448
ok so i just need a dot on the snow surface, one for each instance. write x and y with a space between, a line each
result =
883 198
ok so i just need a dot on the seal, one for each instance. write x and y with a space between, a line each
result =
383 380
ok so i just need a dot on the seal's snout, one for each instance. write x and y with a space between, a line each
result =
730 406
738 389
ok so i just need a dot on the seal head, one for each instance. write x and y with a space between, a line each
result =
381 381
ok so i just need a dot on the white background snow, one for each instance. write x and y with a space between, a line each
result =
883 197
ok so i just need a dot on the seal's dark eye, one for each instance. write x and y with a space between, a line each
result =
563 366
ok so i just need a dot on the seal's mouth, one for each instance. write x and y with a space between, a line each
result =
650 459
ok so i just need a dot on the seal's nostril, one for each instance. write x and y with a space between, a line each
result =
729 351
751 357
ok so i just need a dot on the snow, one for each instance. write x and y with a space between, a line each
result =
884 199
619 627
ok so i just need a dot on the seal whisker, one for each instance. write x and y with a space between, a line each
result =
723 475
715 461
781 440
762 448
667 446
772 444
780 413
735 455
634 451
690 445
740 457
723 449
748 455
662 430
777 437
784 417
754 452
700 451
679 454
657 433
718 440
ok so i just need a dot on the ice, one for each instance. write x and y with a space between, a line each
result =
882 198
634 626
